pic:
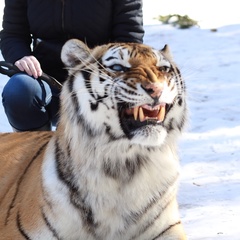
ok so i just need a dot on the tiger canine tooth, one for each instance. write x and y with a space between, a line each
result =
161 113
135 113
141 114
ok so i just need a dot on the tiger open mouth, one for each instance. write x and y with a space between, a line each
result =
134 118
146 112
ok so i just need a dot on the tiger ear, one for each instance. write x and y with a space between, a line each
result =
74 52
166 52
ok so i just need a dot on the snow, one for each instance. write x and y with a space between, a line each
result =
209 194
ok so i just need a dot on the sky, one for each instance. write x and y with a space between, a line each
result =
209 193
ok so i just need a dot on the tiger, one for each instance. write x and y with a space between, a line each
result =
110 170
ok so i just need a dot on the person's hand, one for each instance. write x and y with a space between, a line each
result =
30 65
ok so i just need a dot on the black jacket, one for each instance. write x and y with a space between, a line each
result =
53 22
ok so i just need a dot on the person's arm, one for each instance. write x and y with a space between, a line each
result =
15 38
127 23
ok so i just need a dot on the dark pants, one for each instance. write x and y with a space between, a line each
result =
29 104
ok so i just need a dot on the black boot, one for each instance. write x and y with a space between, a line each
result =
46 127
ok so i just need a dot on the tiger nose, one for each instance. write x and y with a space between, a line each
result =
154 89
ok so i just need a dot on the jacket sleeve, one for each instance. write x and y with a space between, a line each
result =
15 38
127 23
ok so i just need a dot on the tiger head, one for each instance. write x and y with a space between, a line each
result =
123 90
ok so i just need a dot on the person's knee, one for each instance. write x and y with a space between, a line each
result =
25 100
18 91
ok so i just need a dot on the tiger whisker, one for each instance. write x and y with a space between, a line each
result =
87 64
93 66
100 64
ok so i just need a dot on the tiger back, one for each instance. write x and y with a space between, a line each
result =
110 170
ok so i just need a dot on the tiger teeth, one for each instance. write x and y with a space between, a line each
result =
141 115
138 113
135 113
161 114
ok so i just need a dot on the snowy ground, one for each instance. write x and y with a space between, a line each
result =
210 150
209 193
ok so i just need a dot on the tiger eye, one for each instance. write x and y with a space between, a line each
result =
118 68
164 69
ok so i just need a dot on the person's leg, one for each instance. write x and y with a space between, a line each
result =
25 101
